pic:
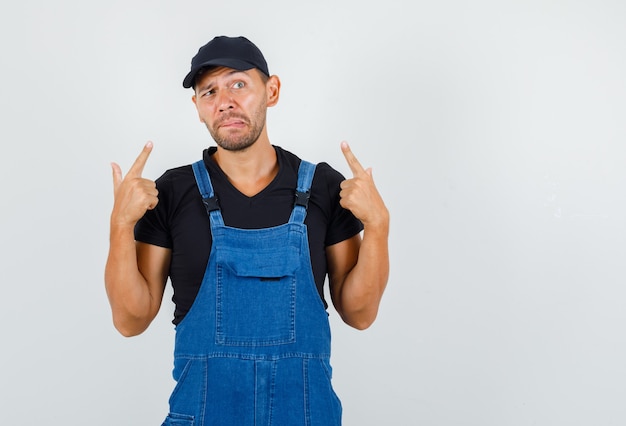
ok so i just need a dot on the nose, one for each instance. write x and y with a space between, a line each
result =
224 100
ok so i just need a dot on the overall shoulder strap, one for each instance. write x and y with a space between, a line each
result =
303 191
203 180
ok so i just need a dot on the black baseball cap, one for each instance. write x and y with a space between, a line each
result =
233 52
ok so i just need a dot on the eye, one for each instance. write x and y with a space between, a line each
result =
207 93
239 85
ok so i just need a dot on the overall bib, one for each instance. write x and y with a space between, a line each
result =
254 349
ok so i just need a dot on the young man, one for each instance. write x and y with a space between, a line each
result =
247 236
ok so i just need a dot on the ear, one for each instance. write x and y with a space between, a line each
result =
195 102
273 90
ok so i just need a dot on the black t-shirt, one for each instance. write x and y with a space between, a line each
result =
180 222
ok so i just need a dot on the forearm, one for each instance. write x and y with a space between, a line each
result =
363 287
131 303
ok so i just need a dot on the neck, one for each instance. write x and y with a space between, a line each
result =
250 170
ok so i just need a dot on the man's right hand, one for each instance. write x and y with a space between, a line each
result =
133 194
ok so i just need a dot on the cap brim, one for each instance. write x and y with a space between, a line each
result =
236 64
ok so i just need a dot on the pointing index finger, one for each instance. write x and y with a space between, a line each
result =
137 168
354 164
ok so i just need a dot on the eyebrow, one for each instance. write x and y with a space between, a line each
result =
211 82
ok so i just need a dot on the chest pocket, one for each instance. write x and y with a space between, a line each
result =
256 287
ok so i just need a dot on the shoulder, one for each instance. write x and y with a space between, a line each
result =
176 175
325 174
328 173
176 185
184 173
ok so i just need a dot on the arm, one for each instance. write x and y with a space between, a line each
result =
135 273
358 269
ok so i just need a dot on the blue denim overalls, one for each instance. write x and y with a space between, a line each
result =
254 349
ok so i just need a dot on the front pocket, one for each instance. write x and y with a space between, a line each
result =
256 287
253 311
174 419
189 393
324 405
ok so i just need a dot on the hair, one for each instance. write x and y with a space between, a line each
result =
204 70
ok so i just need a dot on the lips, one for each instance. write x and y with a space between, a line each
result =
234 123
231 122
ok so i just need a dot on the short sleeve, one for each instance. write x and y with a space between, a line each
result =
152 227
342 224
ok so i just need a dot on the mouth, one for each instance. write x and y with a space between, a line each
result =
232 123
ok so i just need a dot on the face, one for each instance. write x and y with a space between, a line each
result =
233 105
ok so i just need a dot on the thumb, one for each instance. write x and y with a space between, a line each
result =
369 171
117 175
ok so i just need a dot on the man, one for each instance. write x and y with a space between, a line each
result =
247 236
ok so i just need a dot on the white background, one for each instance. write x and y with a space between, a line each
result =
496 131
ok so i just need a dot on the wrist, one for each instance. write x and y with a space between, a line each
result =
122 228
380 222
